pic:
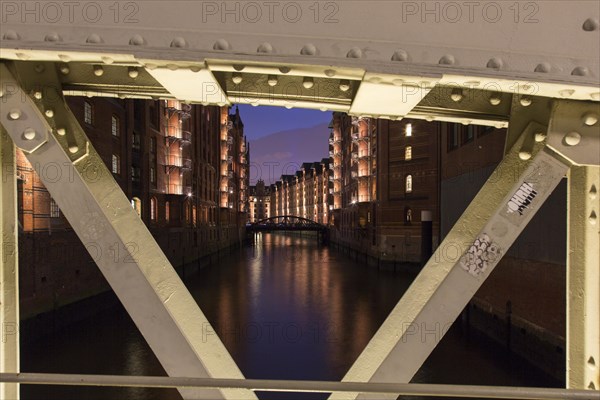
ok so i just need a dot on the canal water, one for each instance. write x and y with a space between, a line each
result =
285 308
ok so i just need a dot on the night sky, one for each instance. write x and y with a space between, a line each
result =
264 120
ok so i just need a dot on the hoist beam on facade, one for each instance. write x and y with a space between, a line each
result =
500 211
9 271
40 123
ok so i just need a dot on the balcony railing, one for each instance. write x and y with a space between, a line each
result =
178 161
174 131
178 189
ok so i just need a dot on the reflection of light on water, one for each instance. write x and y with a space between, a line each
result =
256 268
136 360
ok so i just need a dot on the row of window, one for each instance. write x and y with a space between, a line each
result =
88 118
459 135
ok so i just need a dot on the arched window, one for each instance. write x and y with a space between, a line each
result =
153 209
408 130
409 183
167 211
408 153
137 205
194 215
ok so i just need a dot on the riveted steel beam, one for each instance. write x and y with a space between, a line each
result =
486 230
123 248
583 279
9 271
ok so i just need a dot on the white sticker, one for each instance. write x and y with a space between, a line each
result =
482 255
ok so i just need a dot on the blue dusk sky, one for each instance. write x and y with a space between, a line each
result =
264 120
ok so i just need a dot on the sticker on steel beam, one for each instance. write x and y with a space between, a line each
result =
523 200
482 255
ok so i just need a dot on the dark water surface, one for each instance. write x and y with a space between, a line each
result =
285 308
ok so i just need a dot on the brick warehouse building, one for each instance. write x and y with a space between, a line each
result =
185 170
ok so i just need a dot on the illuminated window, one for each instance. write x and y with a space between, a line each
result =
408 153
409 183
116 165
88 112
153 209
114 126
408 130
167 211
152 175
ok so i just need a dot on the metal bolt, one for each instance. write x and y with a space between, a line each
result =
107 60
221 44
29 134
308 82
330 73
64 69
73 149
284 70
495 99
133 72
566 92
64 57
236 77
400 55
14 114
265 48
49 113
272 80
572 138
593 192
98 70
354 52
524 155
309 50
525 101
344 85
456 95
590 118
593 218
540 136
37 95
61 131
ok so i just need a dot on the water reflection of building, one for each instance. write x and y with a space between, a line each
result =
259 202
167 158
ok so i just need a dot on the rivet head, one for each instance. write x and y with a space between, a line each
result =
524 155
39 68
61 131
179 42
37 95
447 59
49 113
29 134
98 70
593 218
580 71
590 25
572 138
543 67
525 101
495 99
285 70
400 55
590 118
221 44
593 192
595 96
64 69
308 82
73 149
94 38
107 60
14 114
52 37
540 136
344 85
456 95
566 93
309 49
272 80
238 67
64 58
265 48
137 40
236 77
11 35
330 73
354 52
495 63
133 72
